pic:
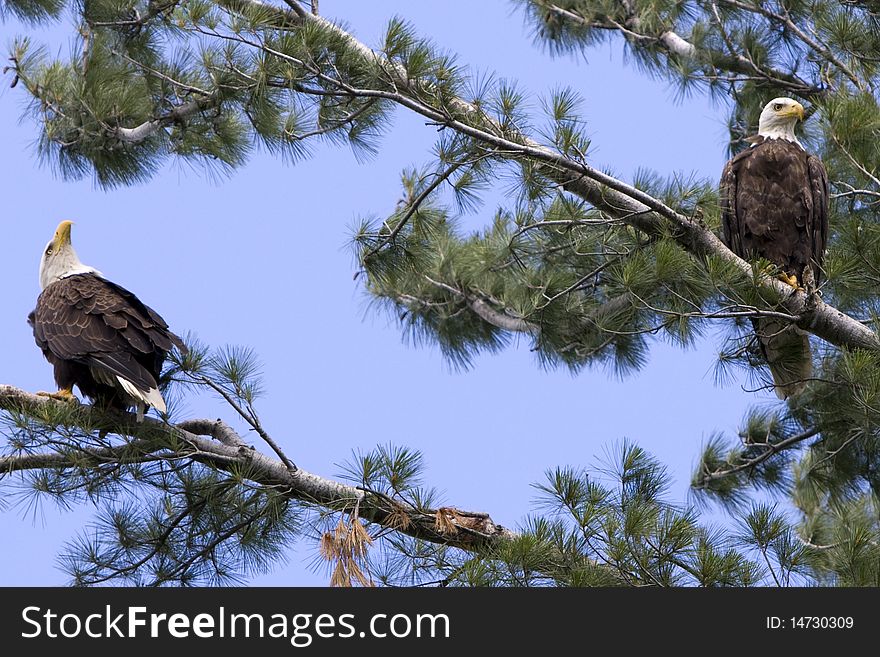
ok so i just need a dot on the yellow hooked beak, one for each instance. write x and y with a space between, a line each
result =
62 234
794 110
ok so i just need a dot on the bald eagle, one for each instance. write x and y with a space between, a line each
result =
774 205
97 335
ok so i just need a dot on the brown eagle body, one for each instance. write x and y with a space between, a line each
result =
93 331
774 205
97 335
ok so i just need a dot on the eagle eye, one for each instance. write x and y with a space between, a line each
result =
48 250
777 106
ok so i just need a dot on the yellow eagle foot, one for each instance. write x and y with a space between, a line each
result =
65 395
792 281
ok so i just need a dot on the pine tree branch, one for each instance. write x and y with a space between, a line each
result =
675 45
488 314
181 568
155 8
335 125
217 429
159 545
502 320
225 450
248 416
297 8
137 134
485 308
147 129
159 74
790 26
440 178
771 449
854 161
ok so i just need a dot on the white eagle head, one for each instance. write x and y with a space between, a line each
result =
60 260
778 119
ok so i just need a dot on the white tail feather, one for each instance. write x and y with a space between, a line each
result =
151 397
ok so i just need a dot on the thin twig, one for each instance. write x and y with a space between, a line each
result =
440 178
772 448
248 416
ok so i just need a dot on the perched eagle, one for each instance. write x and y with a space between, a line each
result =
97 335
774 205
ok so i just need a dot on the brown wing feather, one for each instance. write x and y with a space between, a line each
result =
733 229
89 320
727 197
819 225
768 207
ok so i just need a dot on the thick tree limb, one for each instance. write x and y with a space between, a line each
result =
502 320
147 129
217 429
226 450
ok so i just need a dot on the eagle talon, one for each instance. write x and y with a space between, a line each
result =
792 281
65 395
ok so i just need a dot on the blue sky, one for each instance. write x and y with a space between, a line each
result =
215 257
